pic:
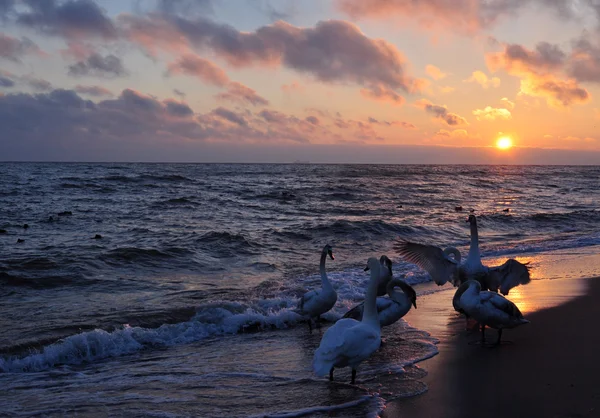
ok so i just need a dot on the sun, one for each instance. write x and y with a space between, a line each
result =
504 142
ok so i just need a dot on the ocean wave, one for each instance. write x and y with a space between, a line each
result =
225 244
150 256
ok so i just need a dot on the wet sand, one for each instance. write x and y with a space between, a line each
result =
551 369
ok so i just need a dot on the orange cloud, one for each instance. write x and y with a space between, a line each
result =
434 72
193 65
559 94
483 80
537 69
492 114
293 86
382 94
507 103
237 92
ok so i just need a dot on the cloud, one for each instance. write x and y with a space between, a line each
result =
6 82
230 116
383 94
95 91
237 92
37 83
491 114
98 66
507 103
441 112
434 72
185 7
313 119
179 93
177 109
558 93
465 16
14 49
483 80
516 59
205 70
70 19
405 125
332 52
584 62
539 70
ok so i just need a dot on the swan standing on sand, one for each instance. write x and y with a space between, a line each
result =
443 268
316 302
349 342
389 310
489 308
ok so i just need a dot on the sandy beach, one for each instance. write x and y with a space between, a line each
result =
549 370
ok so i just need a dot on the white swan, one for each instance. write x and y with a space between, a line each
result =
389 309
385 275
443 268
489 308
316 302
349 342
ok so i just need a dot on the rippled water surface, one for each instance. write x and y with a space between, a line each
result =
191 285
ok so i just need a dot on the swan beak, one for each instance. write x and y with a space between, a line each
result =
331 255
414 302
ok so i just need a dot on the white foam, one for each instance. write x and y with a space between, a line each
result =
377 405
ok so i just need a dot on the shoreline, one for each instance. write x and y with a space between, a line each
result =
549 371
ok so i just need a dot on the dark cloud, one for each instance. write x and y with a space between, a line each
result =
517 59
584 63
313 119
441 112
230 116
178 109
71 18
237 92
332 51
37 83
14 49
98 66
6 82
405 125
201 68
95 91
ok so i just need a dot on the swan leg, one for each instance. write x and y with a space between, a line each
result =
331 374
482 334
353 376
499 336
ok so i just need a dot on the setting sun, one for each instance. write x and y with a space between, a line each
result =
504 142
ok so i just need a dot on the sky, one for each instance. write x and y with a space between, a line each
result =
360 81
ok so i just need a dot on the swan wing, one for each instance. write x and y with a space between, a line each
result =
492 300
356 312
508 275
344 343
430 258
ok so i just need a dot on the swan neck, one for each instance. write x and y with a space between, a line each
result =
370 315
324 280
474 248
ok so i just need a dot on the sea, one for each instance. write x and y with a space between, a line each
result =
168 290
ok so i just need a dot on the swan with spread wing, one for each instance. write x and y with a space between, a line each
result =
445 265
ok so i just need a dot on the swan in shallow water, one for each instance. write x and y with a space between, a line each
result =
349 342
316 302
392 308
385 275
489 308
446 265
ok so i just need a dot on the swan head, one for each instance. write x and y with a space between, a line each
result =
406 288
466 285
385 261
328 250
373 265
472 220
